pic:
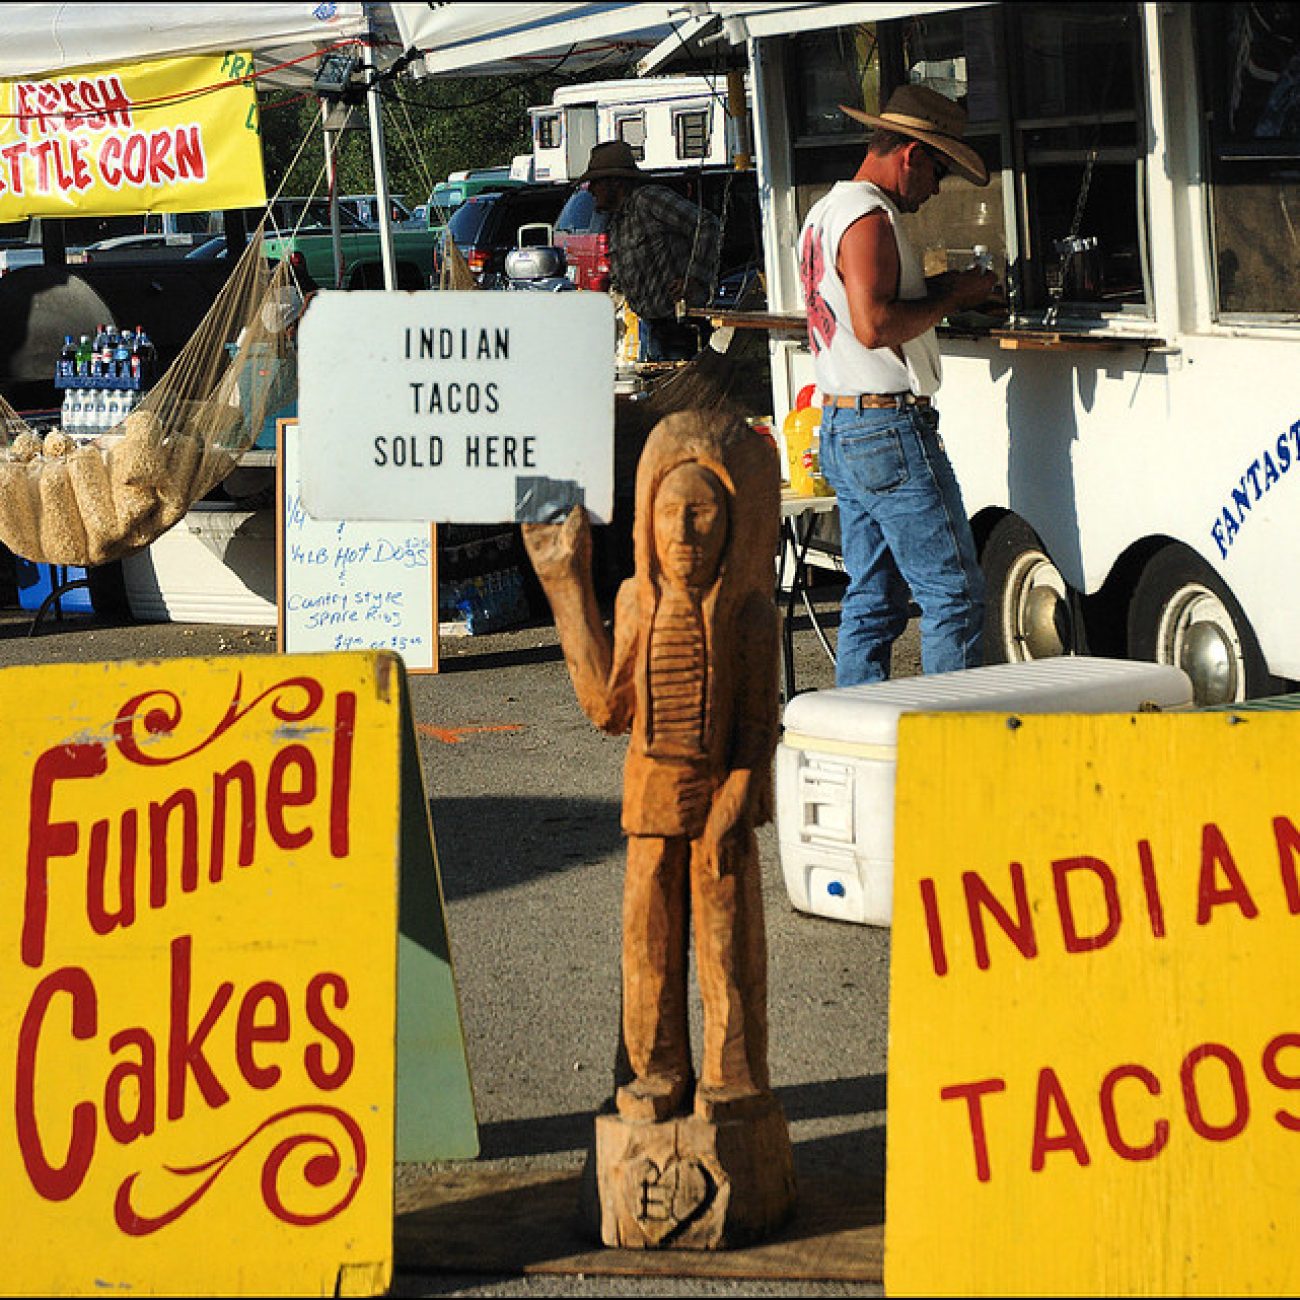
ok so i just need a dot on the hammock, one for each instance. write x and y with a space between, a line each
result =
454 272
87 501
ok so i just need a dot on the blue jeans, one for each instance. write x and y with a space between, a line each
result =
902 525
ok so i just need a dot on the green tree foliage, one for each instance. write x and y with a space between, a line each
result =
431 127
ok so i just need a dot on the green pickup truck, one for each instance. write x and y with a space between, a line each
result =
307 243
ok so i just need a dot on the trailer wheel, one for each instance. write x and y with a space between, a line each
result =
1183 613
1027 613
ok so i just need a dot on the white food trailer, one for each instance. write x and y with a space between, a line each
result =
1128 439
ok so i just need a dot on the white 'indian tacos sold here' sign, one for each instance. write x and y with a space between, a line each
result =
470 407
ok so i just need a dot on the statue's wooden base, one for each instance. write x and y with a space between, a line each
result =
707 1181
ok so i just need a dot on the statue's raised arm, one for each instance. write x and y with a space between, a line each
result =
561 557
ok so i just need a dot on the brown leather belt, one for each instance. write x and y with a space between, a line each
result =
874 401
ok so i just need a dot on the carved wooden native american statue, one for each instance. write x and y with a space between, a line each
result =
691 673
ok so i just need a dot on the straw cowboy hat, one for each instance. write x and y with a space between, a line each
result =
611 159
932 118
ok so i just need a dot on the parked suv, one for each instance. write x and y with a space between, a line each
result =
448 195
487 226
580 231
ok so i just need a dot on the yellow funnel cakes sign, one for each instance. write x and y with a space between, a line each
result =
176 135
199 975
1094 1060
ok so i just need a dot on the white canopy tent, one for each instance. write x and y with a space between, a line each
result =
460 39
497 39
37 39
507 39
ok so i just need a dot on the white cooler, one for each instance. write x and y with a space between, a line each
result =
836 762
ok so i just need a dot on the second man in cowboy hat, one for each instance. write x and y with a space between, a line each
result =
871 326
663 249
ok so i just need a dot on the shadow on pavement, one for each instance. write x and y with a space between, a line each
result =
860 1095
859 1150
496 843
461 657
513 1222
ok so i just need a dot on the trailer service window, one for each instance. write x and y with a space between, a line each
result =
1048 88
1250 86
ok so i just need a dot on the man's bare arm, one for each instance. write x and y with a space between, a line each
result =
868 266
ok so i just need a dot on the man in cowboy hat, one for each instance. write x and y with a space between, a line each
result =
663 249
871 320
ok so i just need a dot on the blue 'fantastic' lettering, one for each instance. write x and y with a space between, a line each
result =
1248 490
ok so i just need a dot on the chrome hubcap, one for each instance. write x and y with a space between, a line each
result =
1197 633
1036 619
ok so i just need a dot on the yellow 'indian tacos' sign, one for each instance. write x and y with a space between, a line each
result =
1094 1059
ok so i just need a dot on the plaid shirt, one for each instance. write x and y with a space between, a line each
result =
657 241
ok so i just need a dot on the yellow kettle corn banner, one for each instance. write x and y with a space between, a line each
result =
1094 1058
197 1002
175 135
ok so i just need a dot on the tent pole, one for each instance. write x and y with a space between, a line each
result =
331 179
375 112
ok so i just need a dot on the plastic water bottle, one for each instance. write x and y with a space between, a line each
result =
68 357
144 346
107 352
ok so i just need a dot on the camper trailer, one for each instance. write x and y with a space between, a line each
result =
670 122
1126 431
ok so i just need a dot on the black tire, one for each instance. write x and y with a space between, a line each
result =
1183 613
1029 610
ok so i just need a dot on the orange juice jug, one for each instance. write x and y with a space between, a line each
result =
800 431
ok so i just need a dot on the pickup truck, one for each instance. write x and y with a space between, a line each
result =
310 247
111 238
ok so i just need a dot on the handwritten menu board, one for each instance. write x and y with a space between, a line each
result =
347 585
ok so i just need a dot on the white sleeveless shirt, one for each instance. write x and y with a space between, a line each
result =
841 364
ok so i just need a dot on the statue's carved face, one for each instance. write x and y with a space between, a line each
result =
690 526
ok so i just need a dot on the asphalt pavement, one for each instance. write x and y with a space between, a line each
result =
525 798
